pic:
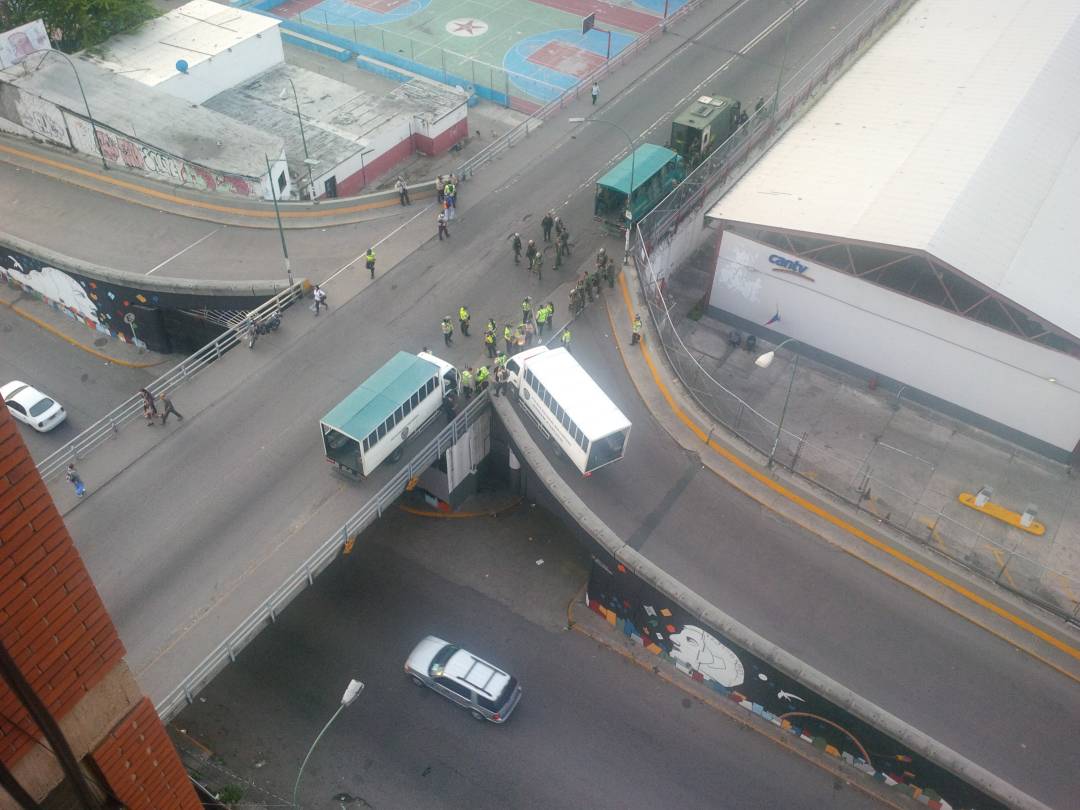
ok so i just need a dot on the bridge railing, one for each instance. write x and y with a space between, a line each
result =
109 425
267 612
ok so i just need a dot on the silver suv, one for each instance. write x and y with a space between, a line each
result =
485 690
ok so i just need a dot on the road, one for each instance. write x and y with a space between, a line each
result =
195 552
591 730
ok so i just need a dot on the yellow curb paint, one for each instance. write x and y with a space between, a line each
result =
855 531
57 333
199 204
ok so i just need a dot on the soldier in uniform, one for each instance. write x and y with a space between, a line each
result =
546 223
515 244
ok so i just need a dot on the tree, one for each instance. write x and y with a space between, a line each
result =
77 24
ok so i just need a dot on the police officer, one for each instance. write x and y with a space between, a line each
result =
541 320
564 242
526 309
530 252
369 261
559 227
467 382
601 259
489 342
500 360
595 279
546 223
515 245
482 375
575 300
502 377
464 317
566 339
491 326
508 338
636 336
447 330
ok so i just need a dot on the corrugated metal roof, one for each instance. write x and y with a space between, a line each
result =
646 160
379 395
958 133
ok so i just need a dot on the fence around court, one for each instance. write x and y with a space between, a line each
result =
267 612
863 483
109 425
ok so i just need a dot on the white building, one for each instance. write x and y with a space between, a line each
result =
918 223
197 50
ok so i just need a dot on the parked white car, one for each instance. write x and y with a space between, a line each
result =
27 404
485 690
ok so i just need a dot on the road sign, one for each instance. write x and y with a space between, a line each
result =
588 23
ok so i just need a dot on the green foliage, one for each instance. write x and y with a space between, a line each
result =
77 24
230 794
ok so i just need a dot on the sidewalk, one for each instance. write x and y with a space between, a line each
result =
846 412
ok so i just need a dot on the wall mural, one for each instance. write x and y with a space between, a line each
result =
660 625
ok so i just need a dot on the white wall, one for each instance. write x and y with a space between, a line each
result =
958 360
227 69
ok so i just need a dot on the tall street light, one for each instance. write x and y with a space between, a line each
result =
629 197
277 213
352 692
764 361
93 126
303 138
783 59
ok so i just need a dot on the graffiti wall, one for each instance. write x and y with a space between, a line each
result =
660 625
152 319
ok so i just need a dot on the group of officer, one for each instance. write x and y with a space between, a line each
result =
588 287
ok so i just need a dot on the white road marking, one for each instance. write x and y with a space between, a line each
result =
345 267
182 252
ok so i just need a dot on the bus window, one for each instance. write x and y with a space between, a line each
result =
406 409
382 430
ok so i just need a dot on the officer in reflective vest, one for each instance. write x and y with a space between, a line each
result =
463 317
369 260
526 309
542 315
447 330
508 338
482 374
566 340
489 342
467 382
636 337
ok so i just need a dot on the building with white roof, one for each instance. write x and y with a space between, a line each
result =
197 50
916 223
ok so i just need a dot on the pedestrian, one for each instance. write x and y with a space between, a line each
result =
402 190
546 223
482 375
464 317
149 409
502 377
320 299
447 331
636 336
76 481
760 104
541 319
566 340
489 342
450 195
526 309
467 382
508 338
369 261
167 408
440 186
530 333
595 92
563 245
441 221
515 245
519 338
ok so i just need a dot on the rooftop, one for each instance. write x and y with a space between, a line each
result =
379 395
646 159
958 133
578 394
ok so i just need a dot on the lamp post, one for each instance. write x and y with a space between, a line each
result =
277 213
629 197
352 692
303 138
82 92
764 361
783 59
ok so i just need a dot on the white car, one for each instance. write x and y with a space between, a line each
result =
485 690
29 405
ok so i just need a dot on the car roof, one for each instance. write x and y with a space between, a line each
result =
476 673
22 393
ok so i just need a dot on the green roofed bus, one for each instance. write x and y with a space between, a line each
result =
655 170
398 401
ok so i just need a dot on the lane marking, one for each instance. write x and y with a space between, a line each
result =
197 242
852 529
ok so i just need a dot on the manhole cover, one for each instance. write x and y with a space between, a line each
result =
101 341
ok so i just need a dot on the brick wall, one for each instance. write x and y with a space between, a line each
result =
141 765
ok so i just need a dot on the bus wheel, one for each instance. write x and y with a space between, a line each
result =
395 457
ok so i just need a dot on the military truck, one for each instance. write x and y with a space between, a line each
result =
703 126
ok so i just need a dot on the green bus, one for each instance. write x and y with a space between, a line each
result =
654 170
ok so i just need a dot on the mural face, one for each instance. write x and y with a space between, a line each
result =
61 289
696 651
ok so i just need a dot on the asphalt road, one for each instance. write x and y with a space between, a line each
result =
592 730
86 386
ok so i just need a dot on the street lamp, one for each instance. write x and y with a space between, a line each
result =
277 213
93 126
352 692
576 119
764 361
308 161
783 59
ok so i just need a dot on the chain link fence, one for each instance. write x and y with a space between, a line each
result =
887 482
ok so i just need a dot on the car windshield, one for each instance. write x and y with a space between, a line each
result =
508 690
438 663
41 406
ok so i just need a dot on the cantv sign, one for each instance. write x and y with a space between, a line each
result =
782 264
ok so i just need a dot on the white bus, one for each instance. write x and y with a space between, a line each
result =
569 407
396 402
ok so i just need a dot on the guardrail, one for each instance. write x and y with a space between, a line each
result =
109 425
522 130
315 564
